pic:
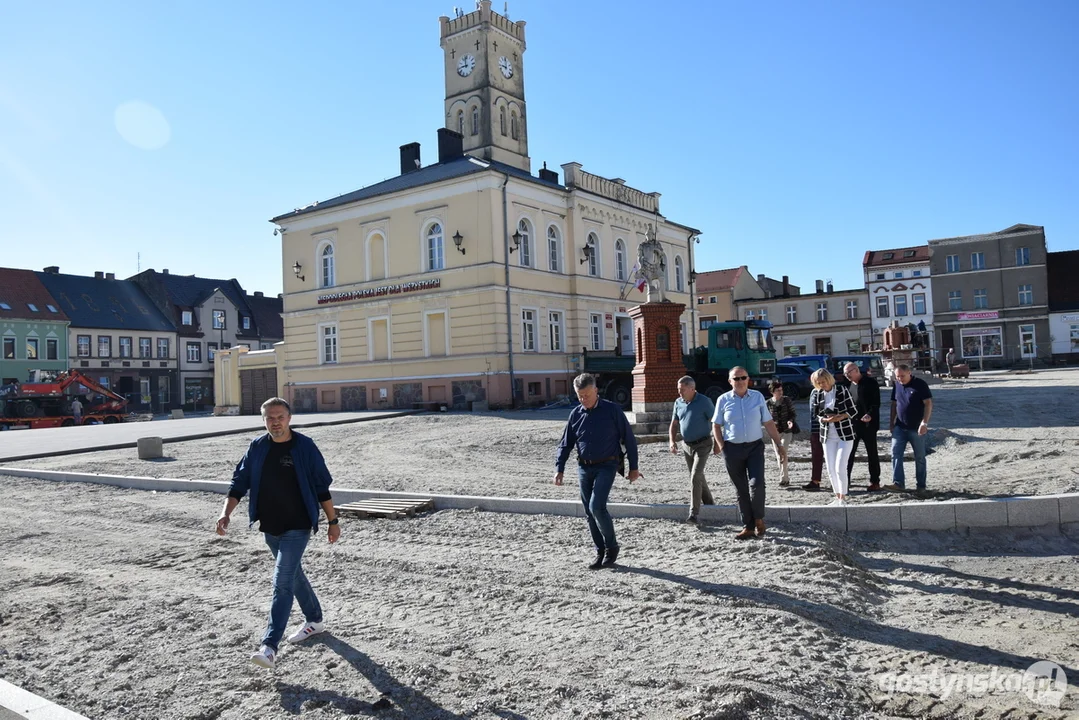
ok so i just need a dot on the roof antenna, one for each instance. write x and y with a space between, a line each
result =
506 9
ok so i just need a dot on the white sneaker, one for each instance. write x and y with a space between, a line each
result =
306 630
265 657
836 503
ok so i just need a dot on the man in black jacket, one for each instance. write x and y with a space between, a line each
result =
866 394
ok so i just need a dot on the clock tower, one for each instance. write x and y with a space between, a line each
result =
485 91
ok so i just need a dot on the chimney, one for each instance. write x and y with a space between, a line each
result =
450 145
110 276
52 270
410 158
258 293
98 275
829 286
548 175
164 271
820 286
786 286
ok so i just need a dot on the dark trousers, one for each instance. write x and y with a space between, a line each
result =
816 453
595 483
745 465
866 434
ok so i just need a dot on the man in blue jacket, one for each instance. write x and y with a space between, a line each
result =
288 481
598 429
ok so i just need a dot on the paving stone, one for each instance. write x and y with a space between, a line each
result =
835 517
1033 511
927 516
873 518
981 513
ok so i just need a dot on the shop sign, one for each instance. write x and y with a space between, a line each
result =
984 315
380 291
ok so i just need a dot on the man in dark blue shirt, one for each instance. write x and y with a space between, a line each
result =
912 406
598 429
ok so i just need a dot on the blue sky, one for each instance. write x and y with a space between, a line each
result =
795 135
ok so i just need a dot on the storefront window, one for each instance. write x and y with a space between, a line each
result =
982 342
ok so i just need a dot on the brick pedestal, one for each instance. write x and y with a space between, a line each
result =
657 334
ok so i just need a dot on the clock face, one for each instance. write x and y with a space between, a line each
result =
505 66
465 65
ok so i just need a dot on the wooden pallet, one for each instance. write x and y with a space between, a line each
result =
387 507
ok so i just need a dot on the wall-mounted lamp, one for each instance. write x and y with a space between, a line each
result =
589 251
296 268
457 238
693 276
516 237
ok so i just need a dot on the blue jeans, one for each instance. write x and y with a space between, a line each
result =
900 437
289 582
596 482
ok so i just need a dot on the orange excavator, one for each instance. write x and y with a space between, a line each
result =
53 399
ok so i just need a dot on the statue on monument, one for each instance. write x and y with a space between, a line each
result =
652 266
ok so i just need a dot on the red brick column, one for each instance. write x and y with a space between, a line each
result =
657 336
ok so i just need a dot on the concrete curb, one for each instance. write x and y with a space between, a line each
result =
1032 511
24 704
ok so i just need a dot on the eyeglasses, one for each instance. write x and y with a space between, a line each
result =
740 378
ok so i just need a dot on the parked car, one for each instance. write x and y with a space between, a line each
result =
871 365
813 362
795 379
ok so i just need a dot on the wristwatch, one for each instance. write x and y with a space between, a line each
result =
335 521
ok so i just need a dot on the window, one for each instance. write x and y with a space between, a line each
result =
525 249
977 261
329 343
919 303
952 263
52 308
1026 294
31 348
792 314
327 267
186 317
917 273
219 319
712 300
595 322
900 305
163 348
883 309
194 352
211 351
822 312
679 275
502 120
981 299
145 347
125 347
763 314
908 253
475 120
4 306
1022 256
553 245
852 309
620 259
751 315
435 261
32 306
554 320
1073 335
52 349
955 300
535 389
707 322
880 276
1027 346
513 124
461 122
888 256
104 346
82 344
528 330
246 321
898 274
9 348
593 255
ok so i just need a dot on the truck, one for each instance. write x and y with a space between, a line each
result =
730 344
47 402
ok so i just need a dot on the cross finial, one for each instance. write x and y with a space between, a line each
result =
453 53
477 46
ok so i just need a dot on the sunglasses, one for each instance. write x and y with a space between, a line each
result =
740 378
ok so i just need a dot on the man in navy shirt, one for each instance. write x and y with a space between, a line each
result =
598 429
912 406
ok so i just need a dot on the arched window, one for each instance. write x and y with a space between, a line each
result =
435 260
679 275
327 267
461 121
502 119
513 124
620 259
526 242
554 244
475 120
593 255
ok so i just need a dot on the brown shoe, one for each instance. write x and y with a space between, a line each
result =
760 528
746 534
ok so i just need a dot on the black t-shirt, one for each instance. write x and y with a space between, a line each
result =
281 506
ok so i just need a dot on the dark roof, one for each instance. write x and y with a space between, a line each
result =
267 316
896 256
458 167
92 302
1062 269
19 289
190 291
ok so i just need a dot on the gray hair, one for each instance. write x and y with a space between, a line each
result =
687 381
903 366
584 380
276 402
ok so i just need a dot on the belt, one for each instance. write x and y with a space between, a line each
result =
698 440
613 458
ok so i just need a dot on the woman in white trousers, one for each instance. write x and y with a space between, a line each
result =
834 407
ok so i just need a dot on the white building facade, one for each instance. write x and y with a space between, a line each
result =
899 286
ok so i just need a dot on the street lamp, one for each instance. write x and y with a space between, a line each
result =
516 240
457 238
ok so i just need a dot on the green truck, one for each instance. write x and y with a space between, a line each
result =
730 344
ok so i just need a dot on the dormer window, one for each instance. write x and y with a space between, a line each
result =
185 317
4 306
52 308
32 306
888 256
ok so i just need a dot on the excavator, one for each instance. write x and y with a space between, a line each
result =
52 399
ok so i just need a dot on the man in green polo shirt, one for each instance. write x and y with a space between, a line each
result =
693 418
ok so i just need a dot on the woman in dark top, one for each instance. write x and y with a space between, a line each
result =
783 414
834 408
